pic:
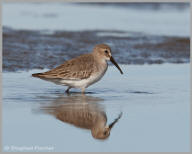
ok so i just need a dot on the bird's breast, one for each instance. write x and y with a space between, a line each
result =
97 75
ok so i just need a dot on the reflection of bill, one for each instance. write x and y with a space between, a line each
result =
83 112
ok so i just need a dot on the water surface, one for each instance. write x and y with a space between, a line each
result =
162 19
154 101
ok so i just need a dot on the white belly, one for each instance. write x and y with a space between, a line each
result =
84 83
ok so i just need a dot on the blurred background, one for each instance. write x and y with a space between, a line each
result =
44 35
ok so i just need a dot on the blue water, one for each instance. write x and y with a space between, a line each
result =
73 17
154 101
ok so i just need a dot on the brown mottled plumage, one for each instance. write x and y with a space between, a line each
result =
83 112
73 69
82 71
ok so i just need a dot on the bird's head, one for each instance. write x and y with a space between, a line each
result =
104 132
103 51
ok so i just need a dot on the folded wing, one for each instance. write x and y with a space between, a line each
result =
74 69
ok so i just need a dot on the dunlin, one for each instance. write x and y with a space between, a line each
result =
82 71
83 112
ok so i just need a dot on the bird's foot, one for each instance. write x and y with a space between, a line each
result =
67 91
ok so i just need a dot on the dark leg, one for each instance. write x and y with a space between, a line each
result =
67 91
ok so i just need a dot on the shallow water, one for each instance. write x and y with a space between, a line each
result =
159 19
154 101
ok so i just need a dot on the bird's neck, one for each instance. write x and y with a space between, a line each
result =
100 61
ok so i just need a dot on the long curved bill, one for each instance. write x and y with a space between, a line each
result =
115 121
114 62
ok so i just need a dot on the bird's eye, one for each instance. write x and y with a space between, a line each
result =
106 51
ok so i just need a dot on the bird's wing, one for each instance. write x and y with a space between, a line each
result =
74 69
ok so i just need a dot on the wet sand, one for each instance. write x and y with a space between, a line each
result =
154 101
39 50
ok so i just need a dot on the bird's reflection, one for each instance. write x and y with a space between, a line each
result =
82 111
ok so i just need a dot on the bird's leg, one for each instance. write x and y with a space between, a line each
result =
67 91
82 90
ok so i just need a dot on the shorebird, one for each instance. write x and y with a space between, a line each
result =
82 71
83 112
